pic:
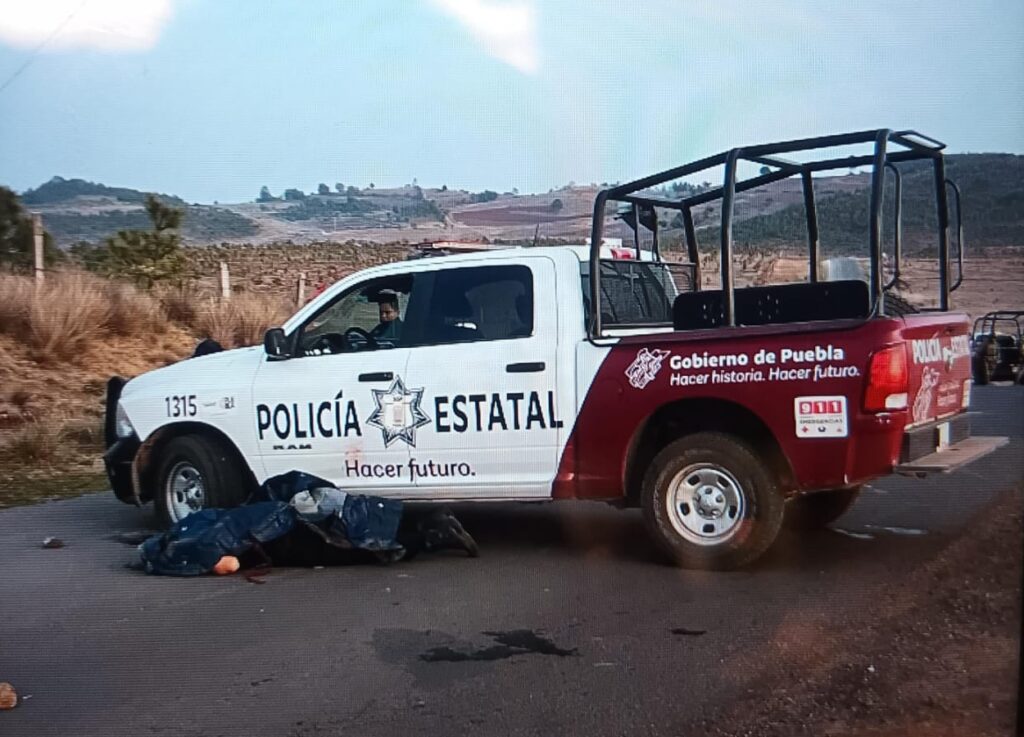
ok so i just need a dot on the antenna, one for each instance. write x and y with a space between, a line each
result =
536 232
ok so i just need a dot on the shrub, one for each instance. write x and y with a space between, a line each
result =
60 321
133 312
17 294
37 441
180 305
148 256
242 320
64 317
17 243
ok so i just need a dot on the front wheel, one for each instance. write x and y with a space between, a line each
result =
197 472
710 501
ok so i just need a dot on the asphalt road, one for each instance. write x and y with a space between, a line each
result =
569 623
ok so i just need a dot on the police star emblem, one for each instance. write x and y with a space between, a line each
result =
398 413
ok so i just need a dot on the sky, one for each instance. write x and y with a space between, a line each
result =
212 99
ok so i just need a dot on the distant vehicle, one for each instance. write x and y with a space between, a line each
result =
588 372
997 350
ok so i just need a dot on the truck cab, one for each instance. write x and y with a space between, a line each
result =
583 372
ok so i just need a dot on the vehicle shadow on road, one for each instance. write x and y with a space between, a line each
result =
597 530
828 549
591 530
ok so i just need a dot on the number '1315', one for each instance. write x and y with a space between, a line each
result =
181 406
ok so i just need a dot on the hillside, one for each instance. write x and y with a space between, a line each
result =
61 190
992 186
993 189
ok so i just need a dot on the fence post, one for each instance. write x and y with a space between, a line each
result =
225 282
37 237
300 289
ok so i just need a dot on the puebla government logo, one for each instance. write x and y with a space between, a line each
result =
398 413
645 367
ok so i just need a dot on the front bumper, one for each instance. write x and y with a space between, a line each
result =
120 454
118 461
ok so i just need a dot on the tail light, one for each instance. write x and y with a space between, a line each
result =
888 379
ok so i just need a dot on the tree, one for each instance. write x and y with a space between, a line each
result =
17 244
147 256
339 188
486 196
765 170
265 195
556 205
294 195
323 189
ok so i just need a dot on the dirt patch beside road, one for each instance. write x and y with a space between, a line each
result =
937 657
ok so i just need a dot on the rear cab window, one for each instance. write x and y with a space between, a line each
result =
637 293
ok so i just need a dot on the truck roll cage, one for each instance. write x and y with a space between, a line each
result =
889 148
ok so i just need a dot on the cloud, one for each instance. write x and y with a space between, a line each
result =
105 25
507 29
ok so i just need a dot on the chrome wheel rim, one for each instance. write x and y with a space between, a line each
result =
706 504
185 491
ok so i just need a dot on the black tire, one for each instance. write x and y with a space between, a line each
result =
758 516
896 306
223 482
982 362
820 509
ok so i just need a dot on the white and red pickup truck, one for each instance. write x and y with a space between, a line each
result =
497 376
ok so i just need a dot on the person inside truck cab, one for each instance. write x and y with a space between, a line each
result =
390 327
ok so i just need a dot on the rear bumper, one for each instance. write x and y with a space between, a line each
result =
952 456
941 447
921 441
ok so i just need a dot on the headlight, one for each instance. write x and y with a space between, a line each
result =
122 425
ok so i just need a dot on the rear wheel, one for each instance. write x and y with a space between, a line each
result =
709 501
983 361
197 472
820 509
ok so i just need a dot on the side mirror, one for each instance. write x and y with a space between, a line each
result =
275 344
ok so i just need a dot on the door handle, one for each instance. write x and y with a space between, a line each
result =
525 368
377 376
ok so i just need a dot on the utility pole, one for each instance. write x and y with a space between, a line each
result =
225 282
37 237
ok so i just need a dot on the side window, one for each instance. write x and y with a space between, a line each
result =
479 303
370 316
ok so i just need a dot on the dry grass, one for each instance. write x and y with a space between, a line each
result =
65 318
16 293
180 305
72 312
38 441
134 312
242 320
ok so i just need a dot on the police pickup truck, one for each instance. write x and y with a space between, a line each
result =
560 373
